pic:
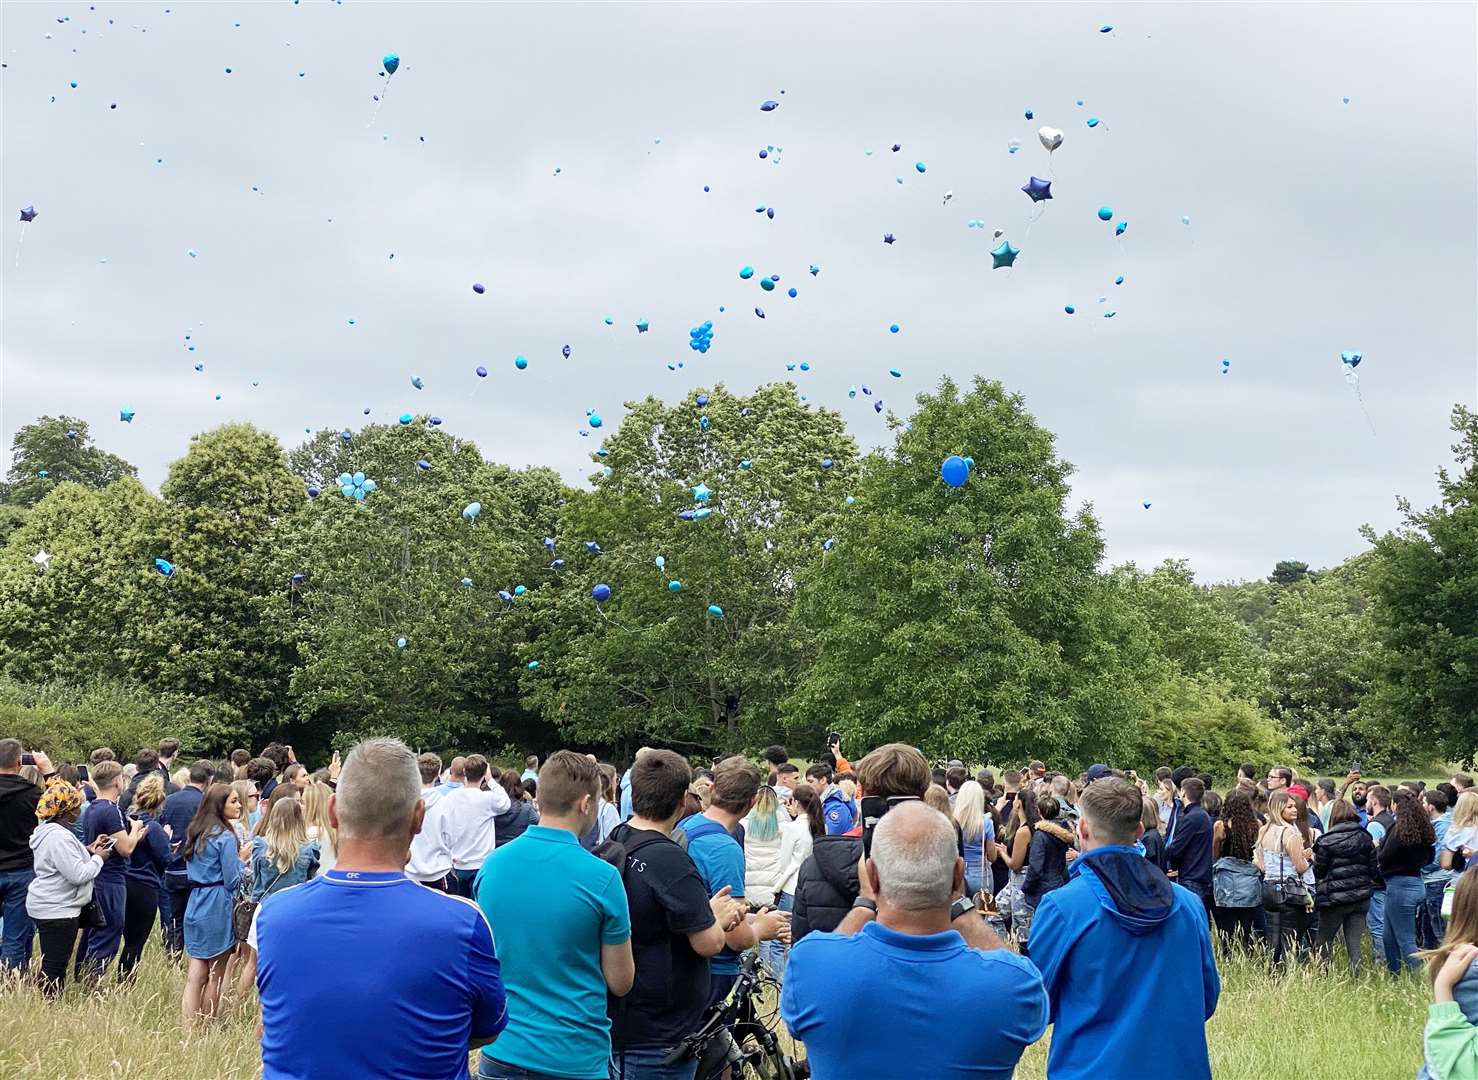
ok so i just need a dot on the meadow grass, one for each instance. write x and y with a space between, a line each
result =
1307 1022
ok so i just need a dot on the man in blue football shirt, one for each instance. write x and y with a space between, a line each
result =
362 972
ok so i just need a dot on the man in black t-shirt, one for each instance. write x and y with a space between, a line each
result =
675 925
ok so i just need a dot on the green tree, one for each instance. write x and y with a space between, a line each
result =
1320 654
1424 584
83 611
61 448
1250 603
225 500
404 563
971 622
651 664
1201 722
1194 631
1289 572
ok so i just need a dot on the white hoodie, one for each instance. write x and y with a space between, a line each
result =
64 873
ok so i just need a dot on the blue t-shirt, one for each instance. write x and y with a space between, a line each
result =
553 904
103 818
912 1035
371 975
720 861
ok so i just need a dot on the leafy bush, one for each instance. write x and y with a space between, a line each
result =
1197 722
68 721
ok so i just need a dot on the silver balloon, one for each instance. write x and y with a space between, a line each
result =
1050 138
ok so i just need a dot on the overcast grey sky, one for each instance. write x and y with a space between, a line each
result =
1316 226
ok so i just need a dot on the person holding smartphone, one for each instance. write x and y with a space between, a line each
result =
63 883
103 819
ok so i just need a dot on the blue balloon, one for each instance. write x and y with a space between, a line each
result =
533 665
954 471
893 328
520 363
601 593
769 106
505 596
716 611
482 372
1037 189
478 288
471 510
1004 255
746 273
1069 308
400 643
1350 359
1105 213
313 491
391 62
1120 227
592 547
674 586
519 590
165 567
405 419
702 400
701 513
595 420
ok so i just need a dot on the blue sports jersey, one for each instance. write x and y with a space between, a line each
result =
373 975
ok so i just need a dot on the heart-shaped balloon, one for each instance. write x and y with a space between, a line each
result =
1050 138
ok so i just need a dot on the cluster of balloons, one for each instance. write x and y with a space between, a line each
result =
700 338
355 486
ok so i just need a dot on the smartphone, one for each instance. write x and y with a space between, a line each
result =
28 759
82 773
107 844
1355 767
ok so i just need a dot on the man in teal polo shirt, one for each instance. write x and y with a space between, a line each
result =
559 916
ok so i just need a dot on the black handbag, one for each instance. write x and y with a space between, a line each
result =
91 916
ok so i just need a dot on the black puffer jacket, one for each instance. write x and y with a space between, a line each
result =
827 885
1346 870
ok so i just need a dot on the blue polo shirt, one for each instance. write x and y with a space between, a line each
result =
373 975
915 1033
720 861
552 905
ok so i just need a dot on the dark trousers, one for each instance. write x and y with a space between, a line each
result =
1288 926
140 906
57 936
1235 924
463 882
178 888
1347 921
98 947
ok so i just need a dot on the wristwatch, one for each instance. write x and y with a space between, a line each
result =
961 906
866 904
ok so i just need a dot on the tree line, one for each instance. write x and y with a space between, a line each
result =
767 582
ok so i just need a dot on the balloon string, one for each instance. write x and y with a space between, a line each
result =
18 244
379 100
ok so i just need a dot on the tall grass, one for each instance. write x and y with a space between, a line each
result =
1306 1023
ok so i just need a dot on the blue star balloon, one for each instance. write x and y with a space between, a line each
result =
1038 189
1004 255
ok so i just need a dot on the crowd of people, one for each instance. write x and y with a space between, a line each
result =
574 922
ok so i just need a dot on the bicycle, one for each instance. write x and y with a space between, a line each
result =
736 1036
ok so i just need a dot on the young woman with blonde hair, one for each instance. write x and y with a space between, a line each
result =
320 830
977 834
1283 858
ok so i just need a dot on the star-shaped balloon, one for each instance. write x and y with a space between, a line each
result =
1350 359
1004 255
28 213
41 558
888 238
1038 189
642 326
701 493
126 415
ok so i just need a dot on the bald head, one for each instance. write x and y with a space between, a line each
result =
914 852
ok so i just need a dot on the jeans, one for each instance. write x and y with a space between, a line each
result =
1288 924
462 883
1347 920
140 904
56 937
1375 919
98 947
1404 896
1436 924
645 1063
490 1068
178 888
15 951
772 953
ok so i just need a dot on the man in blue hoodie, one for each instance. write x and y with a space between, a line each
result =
1125 954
